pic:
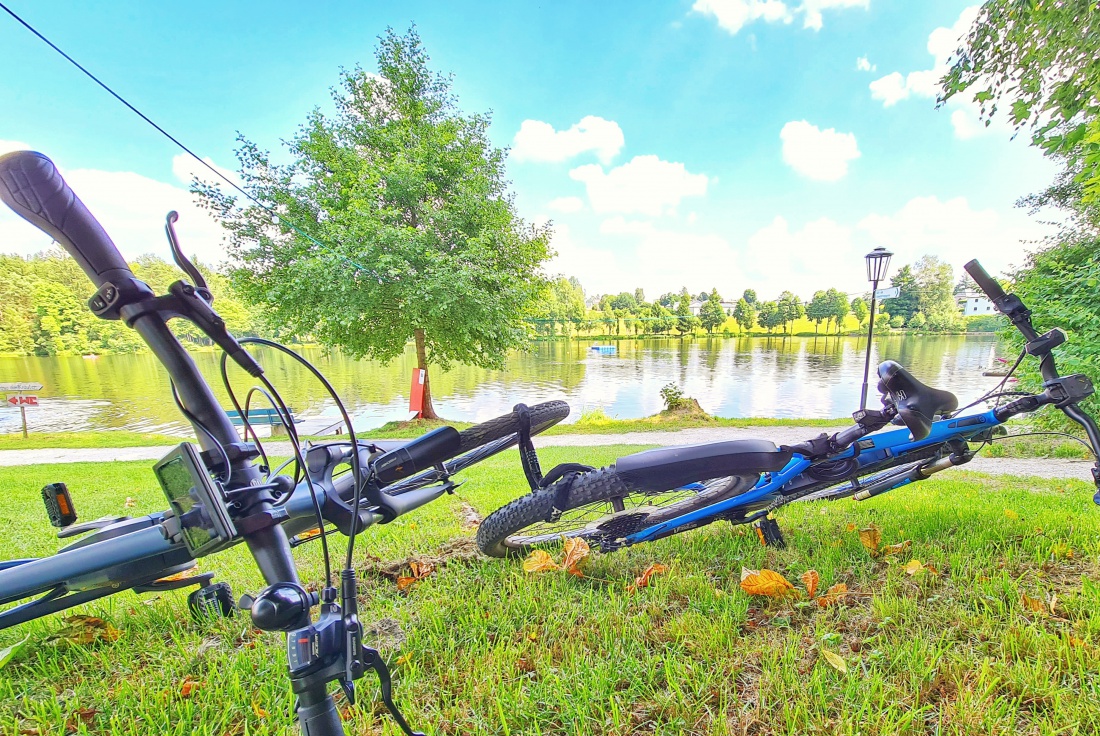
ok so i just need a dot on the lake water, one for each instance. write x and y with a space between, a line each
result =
730 377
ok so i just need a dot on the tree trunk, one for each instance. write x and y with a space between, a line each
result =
428 412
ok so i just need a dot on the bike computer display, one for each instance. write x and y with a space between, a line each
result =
195 500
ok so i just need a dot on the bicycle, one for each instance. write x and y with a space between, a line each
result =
658 493
224 491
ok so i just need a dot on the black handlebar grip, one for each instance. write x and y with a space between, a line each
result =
31 185
982 278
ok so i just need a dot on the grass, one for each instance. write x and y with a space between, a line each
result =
80 440
485 648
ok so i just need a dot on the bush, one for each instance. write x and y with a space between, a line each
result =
985 323
672 396
897 321
918 322
946 320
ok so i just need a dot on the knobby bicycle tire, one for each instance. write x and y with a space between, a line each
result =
596 488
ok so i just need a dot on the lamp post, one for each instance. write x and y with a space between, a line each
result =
878 263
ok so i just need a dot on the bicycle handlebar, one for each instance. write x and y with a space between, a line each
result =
31 185
984 281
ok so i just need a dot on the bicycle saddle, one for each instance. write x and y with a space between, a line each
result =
917 404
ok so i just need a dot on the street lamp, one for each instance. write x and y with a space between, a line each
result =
878 263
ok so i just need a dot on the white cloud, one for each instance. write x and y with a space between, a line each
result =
538 141
817 154
566 204
186 169
820 255
644 185
733 15
925 83
863 64
131 208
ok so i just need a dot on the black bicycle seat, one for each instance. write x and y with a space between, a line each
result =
917 404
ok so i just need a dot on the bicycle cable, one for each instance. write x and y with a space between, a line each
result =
996 389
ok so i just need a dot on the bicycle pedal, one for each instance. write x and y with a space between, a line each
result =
211 601
769 533
59 505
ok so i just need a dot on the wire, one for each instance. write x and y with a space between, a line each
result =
248 428
195 422
996 389
356 467
271 211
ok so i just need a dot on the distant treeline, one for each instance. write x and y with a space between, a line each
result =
44 309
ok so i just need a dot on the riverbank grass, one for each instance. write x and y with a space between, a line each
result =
999 634
82 440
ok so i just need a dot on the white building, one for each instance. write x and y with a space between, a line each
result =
973 303
697 307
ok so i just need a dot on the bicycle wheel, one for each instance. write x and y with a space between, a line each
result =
599 505
484 440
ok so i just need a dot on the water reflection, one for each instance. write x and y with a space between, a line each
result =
776 377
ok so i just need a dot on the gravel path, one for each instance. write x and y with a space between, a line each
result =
1042 467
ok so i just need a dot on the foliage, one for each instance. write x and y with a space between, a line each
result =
750 296
673 396
1041 60
769 316
897 321
907 302
860 310
744 314
918 322
409 194
712 315
986 323
817 310
685 321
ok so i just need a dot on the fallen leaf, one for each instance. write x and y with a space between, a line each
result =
260 712
642 581
810 579
871 537
540 561
576 552
1011 514
851 527
82 629
420 570
897 549
129 503
913 567
833 595
533 635
1032 604
7 654
765 582
188 686
80 715
403 659
1052 603
835 661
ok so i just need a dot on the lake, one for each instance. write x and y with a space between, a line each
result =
730 377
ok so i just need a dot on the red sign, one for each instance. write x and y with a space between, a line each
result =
23 400
416 393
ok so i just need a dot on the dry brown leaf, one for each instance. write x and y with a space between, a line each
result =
260 712
810 579
576 552
1053 603
765 582
833 595
1032 604
897 549
420 570
642 581
835 661
540 561
403 659
871 538
851 527
82 629
129 503
188 687
913 567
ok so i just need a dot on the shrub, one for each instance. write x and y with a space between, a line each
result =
897 321
672 396
918 322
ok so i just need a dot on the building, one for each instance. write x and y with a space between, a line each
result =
697 307
972 303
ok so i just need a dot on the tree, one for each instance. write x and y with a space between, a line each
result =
934 291
712 315
750 297
685 321
744 314
423 240
661 320
838 307
769 316
907 302
860 310
639 295
790 308
818 309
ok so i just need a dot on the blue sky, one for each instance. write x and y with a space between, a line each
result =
698 143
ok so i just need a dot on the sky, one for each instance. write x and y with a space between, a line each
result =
725 144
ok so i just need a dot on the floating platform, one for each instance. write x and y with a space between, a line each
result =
604 349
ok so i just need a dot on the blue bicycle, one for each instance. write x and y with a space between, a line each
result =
658 493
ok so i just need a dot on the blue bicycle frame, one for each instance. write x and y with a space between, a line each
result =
871 450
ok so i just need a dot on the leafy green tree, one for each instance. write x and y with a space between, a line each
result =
907 302
744 314
860 310
661 320
423 238
934 284
838 307
918 322
668 300
819 309
712 315
685 321
639 295
790 309
750 297
769 316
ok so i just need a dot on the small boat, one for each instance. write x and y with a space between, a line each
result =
604 349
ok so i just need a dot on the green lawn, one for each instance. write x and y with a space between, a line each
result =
486 648
81 440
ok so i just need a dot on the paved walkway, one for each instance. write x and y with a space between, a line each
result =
1042 467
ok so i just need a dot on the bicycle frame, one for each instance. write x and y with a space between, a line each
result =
870 450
